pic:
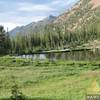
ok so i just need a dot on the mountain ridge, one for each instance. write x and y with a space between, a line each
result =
32 27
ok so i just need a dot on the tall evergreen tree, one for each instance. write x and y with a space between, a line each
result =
4 41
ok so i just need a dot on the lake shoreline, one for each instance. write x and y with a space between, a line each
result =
59 51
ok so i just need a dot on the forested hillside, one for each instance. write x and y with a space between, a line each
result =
79 25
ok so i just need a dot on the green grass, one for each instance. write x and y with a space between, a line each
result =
46 80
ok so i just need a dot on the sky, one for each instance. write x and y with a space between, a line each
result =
22 12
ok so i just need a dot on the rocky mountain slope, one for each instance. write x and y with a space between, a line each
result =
84 11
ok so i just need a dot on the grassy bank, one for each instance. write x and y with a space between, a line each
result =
47 80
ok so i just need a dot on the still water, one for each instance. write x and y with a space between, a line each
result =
74 55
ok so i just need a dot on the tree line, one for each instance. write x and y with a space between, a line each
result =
55 37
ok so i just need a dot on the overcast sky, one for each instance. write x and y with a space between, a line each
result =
21 12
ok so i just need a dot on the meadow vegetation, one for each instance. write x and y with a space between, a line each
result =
47 80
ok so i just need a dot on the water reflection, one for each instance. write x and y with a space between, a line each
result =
73 55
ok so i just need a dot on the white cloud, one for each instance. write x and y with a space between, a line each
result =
28 7
37 18
9 25
28 19
63 3
20 21
55 2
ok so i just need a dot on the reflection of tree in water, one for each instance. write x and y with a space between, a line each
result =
72 55
75 55
51 56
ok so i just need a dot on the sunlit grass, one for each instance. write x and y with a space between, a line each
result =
59 80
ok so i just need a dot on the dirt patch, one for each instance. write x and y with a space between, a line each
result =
91 74
95 3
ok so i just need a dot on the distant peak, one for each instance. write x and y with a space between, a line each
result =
50 17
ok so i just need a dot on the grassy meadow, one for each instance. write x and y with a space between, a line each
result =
47 80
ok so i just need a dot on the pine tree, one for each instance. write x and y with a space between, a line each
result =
4 41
